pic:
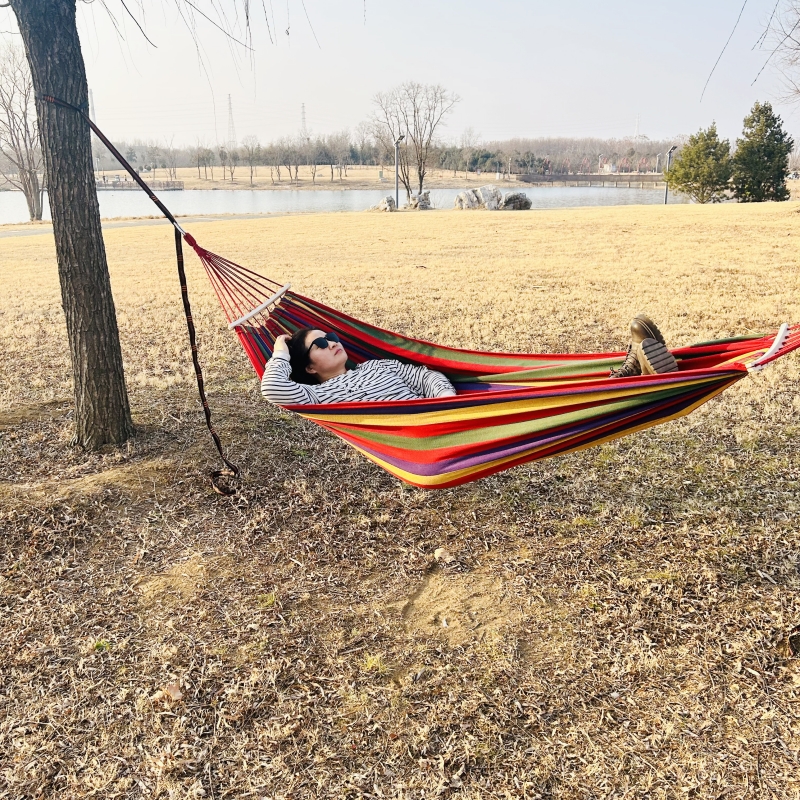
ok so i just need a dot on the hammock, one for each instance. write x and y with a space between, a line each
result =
510 408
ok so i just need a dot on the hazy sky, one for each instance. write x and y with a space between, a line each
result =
575 68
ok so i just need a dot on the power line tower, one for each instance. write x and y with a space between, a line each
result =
231 127
303 129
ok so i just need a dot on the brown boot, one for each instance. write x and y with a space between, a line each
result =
630 366
655 358
642 327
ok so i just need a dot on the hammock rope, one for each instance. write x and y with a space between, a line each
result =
510 408
230 470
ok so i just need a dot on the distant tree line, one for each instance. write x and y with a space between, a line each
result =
230 161
337 152
410 115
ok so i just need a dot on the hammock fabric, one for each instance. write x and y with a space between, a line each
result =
510 408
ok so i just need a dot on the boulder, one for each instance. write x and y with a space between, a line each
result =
421 201
490 197
467 199
387 204
515 201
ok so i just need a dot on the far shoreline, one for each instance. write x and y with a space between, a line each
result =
357 181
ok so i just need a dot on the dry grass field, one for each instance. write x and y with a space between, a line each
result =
611 624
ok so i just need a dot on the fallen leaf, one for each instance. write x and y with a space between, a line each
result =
443 556
173 691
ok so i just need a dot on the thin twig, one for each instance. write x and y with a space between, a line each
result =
266 17
303 3
777 47
216 25
141 29
763 36
723 50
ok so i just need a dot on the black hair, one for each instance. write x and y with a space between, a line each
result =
298 356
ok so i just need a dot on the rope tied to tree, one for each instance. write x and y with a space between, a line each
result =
230 470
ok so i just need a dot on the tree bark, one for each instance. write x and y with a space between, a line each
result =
50 34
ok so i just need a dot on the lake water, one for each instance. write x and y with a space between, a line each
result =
243 201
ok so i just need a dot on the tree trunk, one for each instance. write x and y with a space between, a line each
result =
28 182
102 413
33 194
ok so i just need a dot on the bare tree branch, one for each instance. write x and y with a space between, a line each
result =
719 57
310 25
767 28
776 49
779 46
266 17
216 25
416 111
19 132
136 21
784 30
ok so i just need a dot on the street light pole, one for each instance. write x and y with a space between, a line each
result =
396 173
669 163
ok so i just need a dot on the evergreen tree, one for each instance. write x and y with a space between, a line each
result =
702 169
761 161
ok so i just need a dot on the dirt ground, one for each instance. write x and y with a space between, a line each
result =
616 623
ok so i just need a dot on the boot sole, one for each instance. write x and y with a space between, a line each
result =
655 358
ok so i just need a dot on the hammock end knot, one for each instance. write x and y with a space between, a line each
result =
190 240
223 481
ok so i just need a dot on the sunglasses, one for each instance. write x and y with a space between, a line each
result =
322 342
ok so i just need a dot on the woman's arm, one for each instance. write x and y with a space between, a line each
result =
424 381
276 385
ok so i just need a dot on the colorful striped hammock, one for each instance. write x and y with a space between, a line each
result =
510 408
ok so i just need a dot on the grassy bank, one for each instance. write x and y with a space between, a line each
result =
608 624
357 177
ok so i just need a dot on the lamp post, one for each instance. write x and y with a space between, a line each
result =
396 174
669 162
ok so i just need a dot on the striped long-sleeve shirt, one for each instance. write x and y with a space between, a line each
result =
373 380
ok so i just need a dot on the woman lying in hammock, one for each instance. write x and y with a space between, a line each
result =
311 367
